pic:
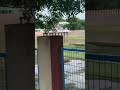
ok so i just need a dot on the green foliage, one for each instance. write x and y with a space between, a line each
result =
56 9
68 7
47 22
75 24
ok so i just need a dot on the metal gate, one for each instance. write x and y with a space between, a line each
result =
102 72
37 80
2 72
73 69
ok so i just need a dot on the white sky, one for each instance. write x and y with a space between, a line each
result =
81 16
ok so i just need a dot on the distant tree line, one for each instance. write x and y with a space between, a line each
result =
75 24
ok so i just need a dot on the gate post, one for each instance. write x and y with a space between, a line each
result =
49 60
62 63
2 58
20 56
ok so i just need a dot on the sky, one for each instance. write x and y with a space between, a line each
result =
81 16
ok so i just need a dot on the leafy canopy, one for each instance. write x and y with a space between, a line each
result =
56 9
75 24
68 7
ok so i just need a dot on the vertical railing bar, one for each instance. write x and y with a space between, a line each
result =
62 62
117 76
38 71
111 75
99 74
105 75
93 75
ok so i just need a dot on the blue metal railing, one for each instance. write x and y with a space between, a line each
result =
95 66
110 58
74 50
62 62
73 65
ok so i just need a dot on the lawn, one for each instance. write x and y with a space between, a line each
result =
78 46
76 40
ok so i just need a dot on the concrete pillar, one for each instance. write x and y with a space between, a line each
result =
50 69
20 60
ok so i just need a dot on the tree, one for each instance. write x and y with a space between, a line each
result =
56 8
75 24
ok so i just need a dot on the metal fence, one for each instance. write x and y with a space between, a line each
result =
64 34
37 81
73 69
102 72
2 71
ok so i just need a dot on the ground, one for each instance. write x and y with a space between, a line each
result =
76 39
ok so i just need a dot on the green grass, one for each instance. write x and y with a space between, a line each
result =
74 46
76 37
74 55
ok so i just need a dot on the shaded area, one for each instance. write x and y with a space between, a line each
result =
102 72
2 74
101 5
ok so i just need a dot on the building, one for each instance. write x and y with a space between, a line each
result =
13 37
11 15
102 49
